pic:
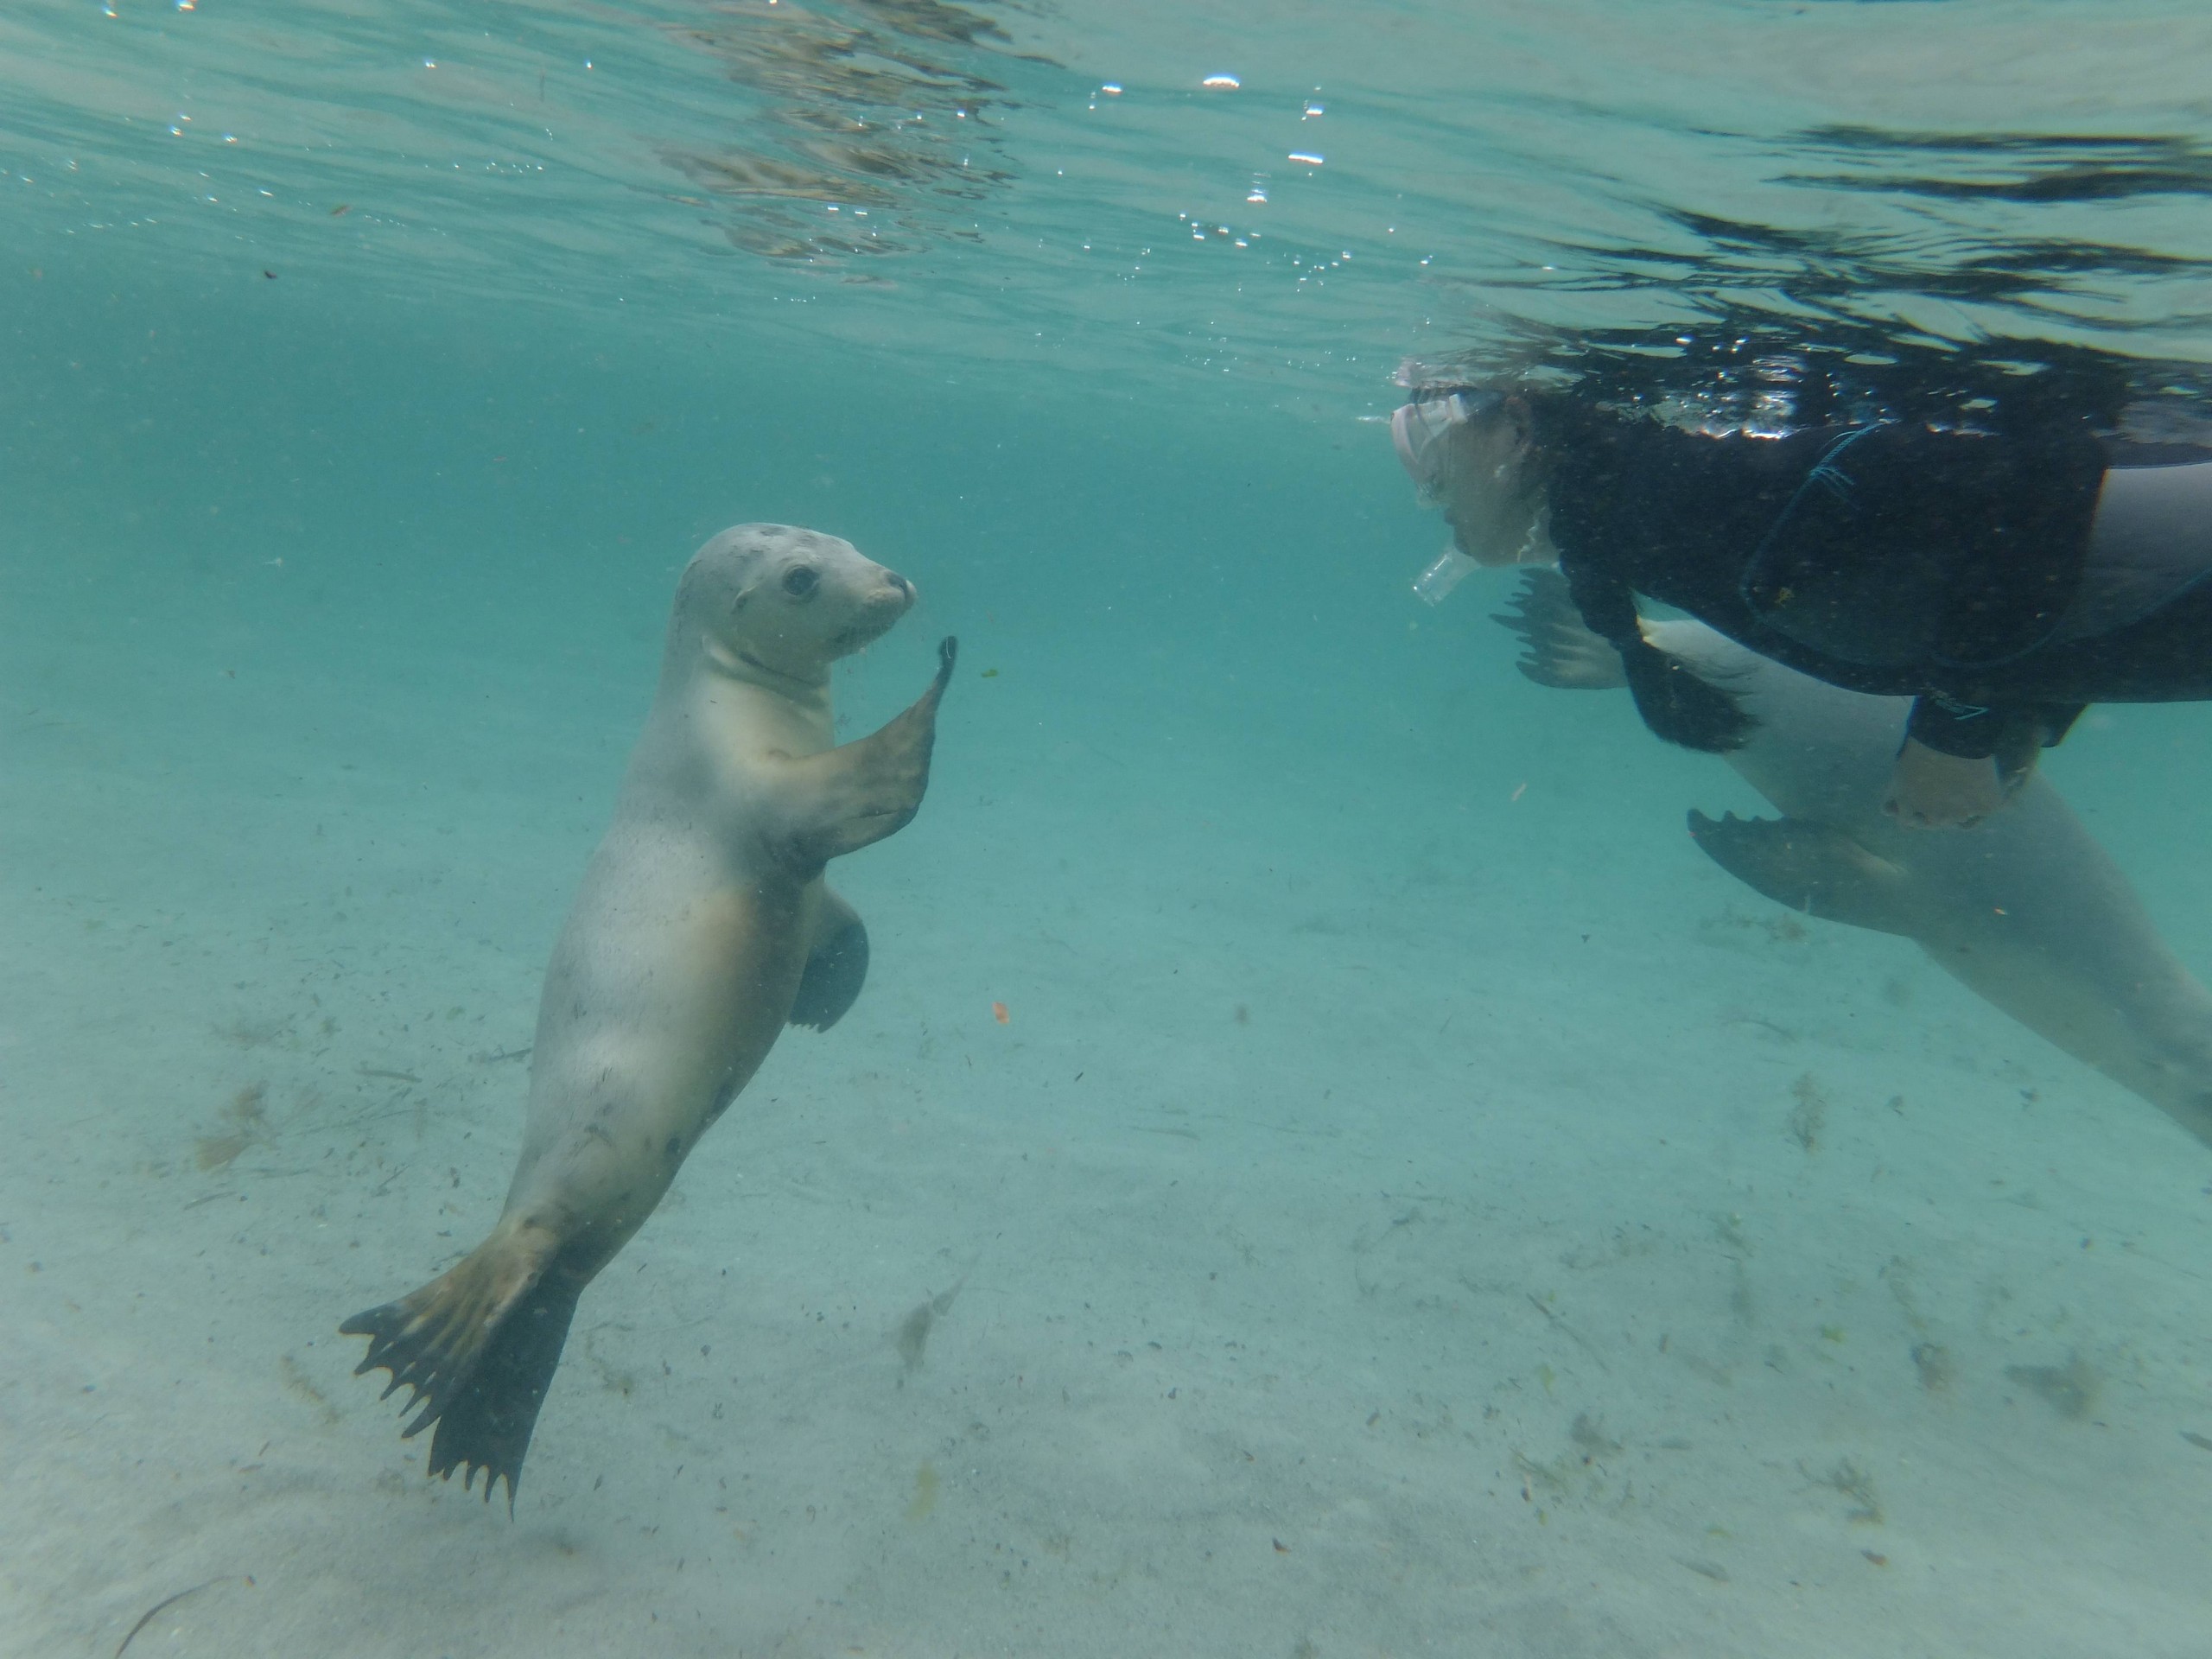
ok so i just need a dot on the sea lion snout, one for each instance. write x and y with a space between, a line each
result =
893 593
792 599
880 600
886 589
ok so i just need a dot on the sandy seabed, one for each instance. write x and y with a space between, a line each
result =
1397 1216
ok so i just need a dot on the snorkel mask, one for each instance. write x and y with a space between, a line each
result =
1418 428
1418 431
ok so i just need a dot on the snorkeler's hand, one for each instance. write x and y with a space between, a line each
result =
1930 789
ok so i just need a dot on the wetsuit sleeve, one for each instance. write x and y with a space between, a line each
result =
2008 733
1607 605
1962 730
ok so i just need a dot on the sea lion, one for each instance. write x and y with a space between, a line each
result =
702 927
2027 910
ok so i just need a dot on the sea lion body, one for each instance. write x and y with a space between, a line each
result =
702 927
2027 910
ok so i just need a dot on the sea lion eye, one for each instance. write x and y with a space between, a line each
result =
801 580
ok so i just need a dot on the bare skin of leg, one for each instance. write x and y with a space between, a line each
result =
1930 789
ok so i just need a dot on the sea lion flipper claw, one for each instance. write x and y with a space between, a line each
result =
1810 867
477 1346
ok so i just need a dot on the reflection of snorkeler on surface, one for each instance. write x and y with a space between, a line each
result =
2004 581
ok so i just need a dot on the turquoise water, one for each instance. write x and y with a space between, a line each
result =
1415 1202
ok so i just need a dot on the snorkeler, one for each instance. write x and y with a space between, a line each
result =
2004 579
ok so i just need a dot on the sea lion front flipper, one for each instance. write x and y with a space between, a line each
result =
1809 868
1557 647
854 794
837 965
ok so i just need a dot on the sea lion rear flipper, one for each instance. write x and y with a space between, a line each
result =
479 1346
854 794
488 1425
1809 868
837 965
1557 647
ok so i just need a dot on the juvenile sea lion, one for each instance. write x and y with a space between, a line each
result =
2027 910
702 926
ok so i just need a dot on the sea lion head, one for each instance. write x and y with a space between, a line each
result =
785 602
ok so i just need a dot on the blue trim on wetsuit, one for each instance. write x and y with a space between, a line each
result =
1823 473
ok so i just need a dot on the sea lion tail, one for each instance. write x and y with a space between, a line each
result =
478 1345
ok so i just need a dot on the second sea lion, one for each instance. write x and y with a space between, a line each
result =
2027 910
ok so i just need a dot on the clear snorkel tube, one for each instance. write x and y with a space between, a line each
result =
1418 431
1434 585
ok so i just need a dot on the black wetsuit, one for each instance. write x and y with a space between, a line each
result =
1945 565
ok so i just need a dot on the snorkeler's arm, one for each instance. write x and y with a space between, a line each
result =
1930 789
1675 705
1960 763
